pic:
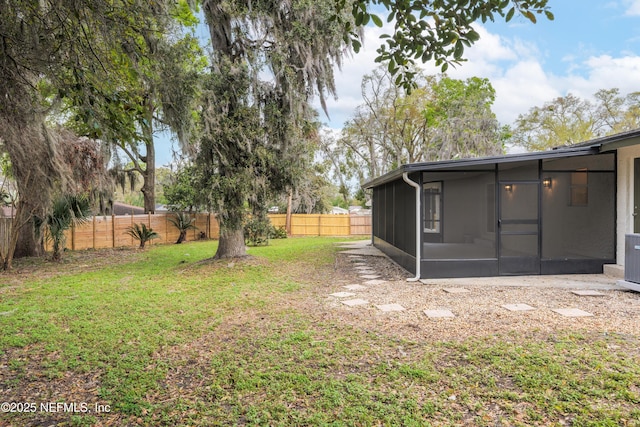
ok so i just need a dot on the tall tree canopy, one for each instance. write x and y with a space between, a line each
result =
442 118
570 119
269 58
94 56
157 90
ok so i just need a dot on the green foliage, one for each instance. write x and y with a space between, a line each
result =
181 191
277 233
436 31
66 211
441 119
5 165
257 231
569 120
142 233
183 222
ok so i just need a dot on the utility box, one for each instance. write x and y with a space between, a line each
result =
632 258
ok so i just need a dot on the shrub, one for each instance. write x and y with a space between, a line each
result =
66 211
256 231
183 223
277 233
141 233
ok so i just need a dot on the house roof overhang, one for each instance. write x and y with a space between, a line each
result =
594 146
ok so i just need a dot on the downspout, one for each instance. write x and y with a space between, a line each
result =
405 177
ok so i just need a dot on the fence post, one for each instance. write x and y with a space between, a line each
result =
94 232
73 236
113 230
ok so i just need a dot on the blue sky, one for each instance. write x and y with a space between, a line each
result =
590 45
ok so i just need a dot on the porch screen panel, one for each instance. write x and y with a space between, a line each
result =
394 215
578 215
404 213
467 223
377 212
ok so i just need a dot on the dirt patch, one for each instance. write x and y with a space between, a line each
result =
478 312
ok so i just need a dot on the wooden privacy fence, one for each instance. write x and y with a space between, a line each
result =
324 225
111 231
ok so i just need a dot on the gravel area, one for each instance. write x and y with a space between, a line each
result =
479 311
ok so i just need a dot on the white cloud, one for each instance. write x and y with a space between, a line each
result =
633 9
605 72
515 68
524 84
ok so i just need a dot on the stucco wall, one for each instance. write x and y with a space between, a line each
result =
625 197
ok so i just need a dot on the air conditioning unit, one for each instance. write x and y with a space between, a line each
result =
631 262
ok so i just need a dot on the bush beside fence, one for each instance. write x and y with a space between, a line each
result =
111 231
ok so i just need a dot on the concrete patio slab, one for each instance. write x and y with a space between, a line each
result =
375 282
456 290
390 307
355 302
437 314
368 251
355 287
572 312
518 307
342 294
370 276
563 281
354 244
588 293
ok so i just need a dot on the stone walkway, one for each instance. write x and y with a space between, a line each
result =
361 255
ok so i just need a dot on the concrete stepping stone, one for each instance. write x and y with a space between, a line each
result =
370 276
342 294
572 312
356 257
355 287
375 282
367 272
518 307
588 293
390 307
437 314
354 302
456 290
362 267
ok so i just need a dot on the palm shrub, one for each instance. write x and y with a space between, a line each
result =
183 223
141 233
66 211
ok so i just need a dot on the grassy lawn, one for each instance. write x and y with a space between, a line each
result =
163 338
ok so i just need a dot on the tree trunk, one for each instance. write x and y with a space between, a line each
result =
231 244
28 244
149 175
287 221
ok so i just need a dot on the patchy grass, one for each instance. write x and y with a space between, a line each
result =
162 337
